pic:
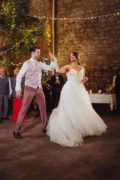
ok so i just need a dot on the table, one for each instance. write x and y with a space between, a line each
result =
104 99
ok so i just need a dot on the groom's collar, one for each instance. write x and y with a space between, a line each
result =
31 59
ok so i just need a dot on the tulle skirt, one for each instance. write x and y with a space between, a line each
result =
74 118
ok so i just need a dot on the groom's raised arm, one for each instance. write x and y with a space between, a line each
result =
61 70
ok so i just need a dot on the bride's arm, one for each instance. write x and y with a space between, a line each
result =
61 70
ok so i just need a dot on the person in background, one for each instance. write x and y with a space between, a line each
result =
17 102
117 90
5 93
10 100
46 89
57 82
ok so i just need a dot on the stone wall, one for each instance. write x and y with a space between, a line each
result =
97 40
39 7
42 8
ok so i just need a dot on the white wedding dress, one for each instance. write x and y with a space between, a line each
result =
74 118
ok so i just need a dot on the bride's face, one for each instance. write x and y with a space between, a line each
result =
72 58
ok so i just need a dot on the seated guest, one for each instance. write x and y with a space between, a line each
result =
117 90
16 102
5 93
57 82
46 90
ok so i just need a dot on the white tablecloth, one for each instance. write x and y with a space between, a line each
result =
104 99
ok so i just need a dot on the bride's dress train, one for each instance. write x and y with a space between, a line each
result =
74 118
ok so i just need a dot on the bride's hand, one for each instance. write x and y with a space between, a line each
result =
85 79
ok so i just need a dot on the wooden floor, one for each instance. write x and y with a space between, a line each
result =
36 158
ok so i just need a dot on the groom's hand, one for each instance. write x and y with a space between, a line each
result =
53 58
19 94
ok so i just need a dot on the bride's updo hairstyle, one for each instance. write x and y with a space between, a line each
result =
77 57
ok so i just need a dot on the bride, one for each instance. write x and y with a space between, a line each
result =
74 118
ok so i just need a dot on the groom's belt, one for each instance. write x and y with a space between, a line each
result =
33 88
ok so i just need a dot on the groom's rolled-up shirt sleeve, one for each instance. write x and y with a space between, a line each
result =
20 75
50 67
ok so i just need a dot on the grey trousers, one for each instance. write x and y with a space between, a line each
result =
3 106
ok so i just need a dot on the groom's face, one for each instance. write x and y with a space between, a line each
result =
36 53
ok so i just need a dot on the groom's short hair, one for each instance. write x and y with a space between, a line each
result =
33 49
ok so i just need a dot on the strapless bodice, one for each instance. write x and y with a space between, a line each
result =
75 76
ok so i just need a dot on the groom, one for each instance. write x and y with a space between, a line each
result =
32 70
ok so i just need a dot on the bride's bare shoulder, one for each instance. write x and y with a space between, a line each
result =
81 67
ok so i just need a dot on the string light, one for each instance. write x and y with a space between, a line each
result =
48 39
19 64
59 19
77 18
65 19
12 47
